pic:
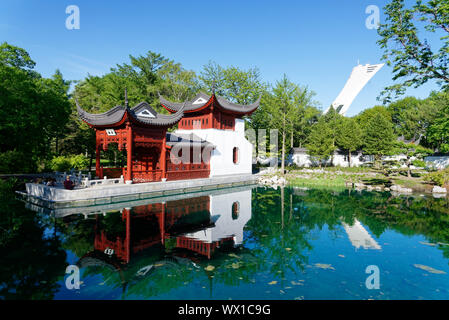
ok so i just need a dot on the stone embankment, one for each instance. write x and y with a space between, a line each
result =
273 181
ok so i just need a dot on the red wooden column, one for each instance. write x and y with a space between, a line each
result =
97 162
127 212
162 158
129 143
162 223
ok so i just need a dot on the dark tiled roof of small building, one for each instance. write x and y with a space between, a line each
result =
201 99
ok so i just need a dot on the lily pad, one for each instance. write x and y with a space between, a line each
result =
272 282
209 268
324 266
428 269
428 243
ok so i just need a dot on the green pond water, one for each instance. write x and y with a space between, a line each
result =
245 243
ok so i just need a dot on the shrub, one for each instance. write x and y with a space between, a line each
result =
440 177
79 162
62 163
418 163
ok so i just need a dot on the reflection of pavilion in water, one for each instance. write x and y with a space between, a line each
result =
200 224
360 237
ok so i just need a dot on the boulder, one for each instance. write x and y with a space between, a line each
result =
437 189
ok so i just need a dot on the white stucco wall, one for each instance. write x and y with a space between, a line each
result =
225 225
303 160
438 162
221 162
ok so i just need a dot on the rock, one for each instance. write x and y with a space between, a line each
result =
274 181
400 189
437 189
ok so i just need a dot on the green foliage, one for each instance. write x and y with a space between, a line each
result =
63 163
419 163
33 110
411 117
438 131
417 54
349 134
235 84
13 161
363 117
440 177
144 78
378 136
320 145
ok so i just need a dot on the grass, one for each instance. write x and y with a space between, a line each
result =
328 182
339 177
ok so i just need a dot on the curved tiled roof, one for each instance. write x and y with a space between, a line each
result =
111 116
202 99
241 108
116 114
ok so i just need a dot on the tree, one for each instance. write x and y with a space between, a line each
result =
333 119
237 85
349 136
378 137
363 117
33 110
321 144
411 117
414 52
437 134
287 101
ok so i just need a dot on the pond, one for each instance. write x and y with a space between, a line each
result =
242 243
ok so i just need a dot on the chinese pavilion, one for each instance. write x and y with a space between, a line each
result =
143 133
209 140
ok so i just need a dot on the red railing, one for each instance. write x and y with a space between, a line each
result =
111 172
183 171
146 175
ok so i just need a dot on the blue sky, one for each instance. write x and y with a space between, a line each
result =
316 43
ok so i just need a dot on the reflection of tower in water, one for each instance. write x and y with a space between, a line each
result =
360 237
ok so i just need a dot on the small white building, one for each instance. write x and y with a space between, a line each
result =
437 162
301 158
230 213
